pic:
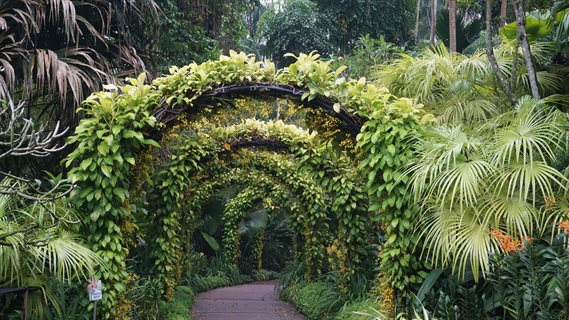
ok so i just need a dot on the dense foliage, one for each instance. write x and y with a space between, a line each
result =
383 175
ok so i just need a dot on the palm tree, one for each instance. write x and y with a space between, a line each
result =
503 11
526 50
53 53
471 182
417 18
459 88
502 81
39 244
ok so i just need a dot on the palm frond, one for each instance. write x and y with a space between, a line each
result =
65 71
530 133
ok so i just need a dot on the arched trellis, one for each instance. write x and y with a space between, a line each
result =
118 124
310 82
340 182
167 207
265 180
350 122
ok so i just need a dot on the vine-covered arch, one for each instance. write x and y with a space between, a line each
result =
285 171
121 122
309 82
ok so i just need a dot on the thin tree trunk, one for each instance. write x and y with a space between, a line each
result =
492 58
452 24
433 20
417 15
514 79
520 20
503 12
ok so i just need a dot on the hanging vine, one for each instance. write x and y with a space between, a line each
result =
119 121
108 140
384 144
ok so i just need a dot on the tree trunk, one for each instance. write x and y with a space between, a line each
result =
492 58
521 23
433 20
503 12
417 15
452 24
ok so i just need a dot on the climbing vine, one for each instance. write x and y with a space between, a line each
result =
328 182
108 140
383 141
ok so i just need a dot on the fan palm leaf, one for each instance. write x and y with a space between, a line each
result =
469 182
530 133
511 214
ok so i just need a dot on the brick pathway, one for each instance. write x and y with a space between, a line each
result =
256 301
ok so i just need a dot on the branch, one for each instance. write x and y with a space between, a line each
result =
19 137
30 190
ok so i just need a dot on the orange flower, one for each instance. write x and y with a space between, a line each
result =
564 225
549 201
507 243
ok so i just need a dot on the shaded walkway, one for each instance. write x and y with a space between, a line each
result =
245 302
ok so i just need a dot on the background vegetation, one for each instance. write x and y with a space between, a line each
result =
450 201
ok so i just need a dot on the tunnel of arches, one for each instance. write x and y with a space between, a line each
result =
151 156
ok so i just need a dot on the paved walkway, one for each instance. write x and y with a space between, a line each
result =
256 301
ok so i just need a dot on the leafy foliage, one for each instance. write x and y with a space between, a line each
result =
469 183
107 143
355 19
384 142
461 89
54 251
533 282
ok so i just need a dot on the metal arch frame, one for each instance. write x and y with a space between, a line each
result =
352 123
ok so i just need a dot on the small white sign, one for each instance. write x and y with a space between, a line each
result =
95 290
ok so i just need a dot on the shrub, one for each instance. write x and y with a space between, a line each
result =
211 282
351 311
318 300
146 294
244 279
180 306
263 275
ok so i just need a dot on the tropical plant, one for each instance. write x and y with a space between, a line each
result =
461 89
318 300
298 27
532 283
146 294
50 249
388 18
54 53
183 38
367 53
481 190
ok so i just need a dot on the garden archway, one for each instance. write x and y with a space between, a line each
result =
120 123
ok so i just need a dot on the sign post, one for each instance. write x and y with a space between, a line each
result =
95 294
